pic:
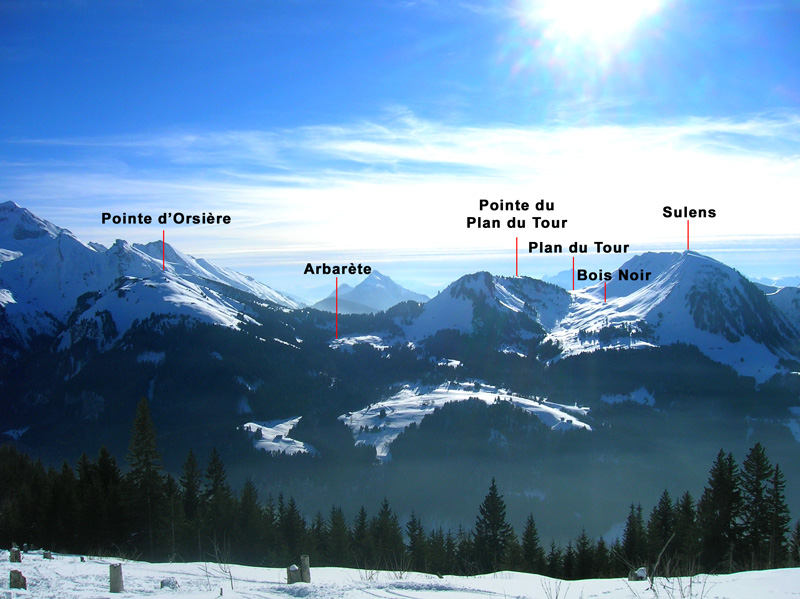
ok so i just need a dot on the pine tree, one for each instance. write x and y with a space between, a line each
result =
568 562
293 530
250 524
756 475
417 546
318 533
362 543
146 489
634 541
794 546
191 482
602 559
584 556
686 542
532 551
387 539
555 563
338 539
109 479
660 530
218 499
491 531
779 521
718 513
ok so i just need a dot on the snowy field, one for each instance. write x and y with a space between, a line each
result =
379 424
66 577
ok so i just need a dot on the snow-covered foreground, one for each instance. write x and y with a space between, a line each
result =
66 577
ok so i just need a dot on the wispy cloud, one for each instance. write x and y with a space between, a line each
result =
406 185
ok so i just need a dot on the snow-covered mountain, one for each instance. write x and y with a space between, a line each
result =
687 298
51 281
474 303
375 293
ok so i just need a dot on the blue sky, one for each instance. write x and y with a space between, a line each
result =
367 131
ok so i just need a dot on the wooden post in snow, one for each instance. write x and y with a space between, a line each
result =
305 569
115 574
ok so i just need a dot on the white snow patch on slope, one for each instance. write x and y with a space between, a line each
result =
794 423
349 342
153 357
411 405
273 436
641 396
17 433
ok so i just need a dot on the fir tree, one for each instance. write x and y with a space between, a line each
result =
318 537
660 530
718 512
555 564
417 549
779 520
756 475
584 556
293 529
634 540
686 542
387 538
362 543
250 523
338 549
144 477
491 531
794 546
532 551
568 562
218 500
602 559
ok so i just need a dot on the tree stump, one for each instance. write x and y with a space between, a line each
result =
15 556
170 583
305 569
293 574
17 580
47 555
115 574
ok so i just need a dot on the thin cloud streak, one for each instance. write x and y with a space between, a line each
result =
405 185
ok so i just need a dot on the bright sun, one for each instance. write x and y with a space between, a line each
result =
598 21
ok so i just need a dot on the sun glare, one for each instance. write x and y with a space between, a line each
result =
593 20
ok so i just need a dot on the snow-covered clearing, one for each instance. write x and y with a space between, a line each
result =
273 436
66 577
379 424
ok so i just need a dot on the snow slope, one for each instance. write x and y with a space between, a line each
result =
66 577
379 424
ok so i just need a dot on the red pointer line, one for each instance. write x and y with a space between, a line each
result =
516 247
687 234
337 307
604 292
163 250
573 273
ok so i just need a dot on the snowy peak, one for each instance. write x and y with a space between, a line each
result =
376 293
381 293
19 226
681 297
478 302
